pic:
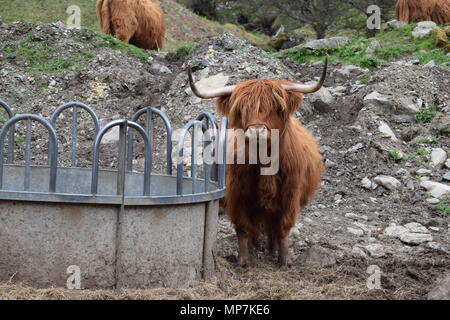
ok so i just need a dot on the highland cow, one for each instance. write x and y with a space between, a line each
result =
139 22
423 10
268 204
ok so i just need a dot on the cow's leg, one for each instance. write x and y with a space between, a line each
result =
124 30
243 242
271 244
284 258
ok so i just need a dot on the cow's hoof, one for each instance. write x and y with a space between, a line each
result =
244 262
285 262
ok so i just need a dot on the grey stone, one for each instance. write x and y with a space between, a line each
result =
386 131
430 64
388 182
395 231
415 238
328 43
159 68
357 232
436 189
372 48
358 252
378 100
447 164
366 183
376 250
416 228
424 29
395 24
322 100
318 256
424 172
446 176
356 217
329 163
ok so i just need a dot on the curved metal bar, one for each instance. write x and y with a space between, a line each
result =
210 118
180 160
75 106
52 145
149 128
148 146
222 154
10 113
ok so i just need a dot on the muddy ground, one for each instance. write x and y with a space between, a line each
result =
343 232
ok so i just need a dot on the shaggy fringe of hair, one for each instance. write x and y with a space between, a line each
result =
423 10
270 204
139 22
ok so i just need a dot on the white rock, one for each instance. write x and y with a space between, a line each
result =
328 43
356 147
387 131
377 99
356 217
416 227
329 163
376 250
437 190
395 231
433 201
112 136
416 238
424 172
446 176
438 156
388 182
447 164
322 100
395 24
424 29
427 24
358 252
366 183
356 232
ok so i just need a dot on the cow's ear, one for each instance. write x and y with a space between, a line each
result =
223 105
294 101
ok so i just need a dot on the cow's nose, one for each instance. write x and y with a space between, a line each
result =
257 130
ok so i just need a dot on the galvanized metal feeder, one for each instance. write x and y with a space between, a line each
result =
121 228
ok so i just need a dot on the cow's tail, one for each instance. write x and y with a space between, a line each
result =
104 16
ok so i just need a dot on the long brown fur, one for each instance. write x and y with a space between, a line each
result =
139 22
411 11
270 204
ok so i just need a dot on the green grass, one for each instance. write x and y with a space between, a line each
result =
395 43
184 50
395 155
42 57
424 140
420 156
125 48
426 114
47 11
444 206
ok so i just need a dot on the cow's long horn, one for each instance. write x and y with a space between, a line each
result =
309 88
210 94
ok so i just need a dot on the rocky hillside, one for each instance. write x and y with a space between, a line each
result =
384 134
183 26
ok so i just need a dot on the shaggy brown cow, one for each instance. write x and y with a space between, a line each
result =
139 22
423 10
268 204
